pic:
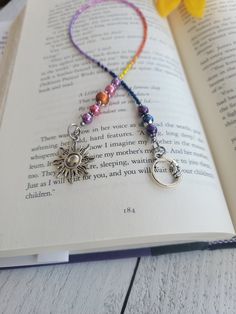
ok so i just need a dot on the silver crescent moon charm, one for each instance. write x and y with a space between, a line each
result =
174 170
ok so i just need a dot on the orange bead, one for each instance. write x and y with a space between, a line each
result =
102 97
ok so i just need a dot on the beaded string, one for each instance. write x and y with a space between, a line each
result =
102 98
130 64
72 162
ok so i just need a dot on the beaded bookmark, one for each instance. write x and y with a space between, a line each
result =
73 161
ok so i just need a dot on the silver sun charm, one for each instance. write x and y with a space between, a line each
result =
72 162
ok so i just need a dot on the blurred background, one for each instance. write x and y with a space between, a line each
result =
3 2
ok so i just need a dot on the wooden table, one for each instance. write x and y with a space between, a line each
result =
195 282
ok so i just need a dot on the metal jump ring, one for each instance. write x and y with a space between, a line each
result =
159 151
74 131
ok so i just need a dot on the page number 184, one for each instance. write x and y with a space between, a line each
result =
129 210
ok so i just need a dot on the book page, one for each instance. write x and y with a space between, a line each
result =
117 204
4 27
8 14
8 60
208 51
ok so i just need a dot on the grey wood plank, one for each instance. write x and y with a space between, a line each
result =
95 287
194 282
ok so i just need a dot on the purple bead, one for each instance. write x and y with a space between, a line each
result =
152 130
142 110
87 118
116 81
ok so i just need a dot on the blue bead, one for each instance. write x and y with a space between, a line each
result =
147 119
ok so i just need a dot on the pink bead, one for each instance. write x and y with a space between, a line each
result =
110 89
95 110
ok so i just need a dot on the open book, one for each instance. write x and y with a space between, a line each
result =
186 75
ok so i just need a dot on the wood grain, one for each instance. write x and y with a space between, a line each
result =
95 287
194 282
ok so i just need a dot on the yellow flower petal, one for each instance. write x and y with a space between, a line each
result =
165 7
195 7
